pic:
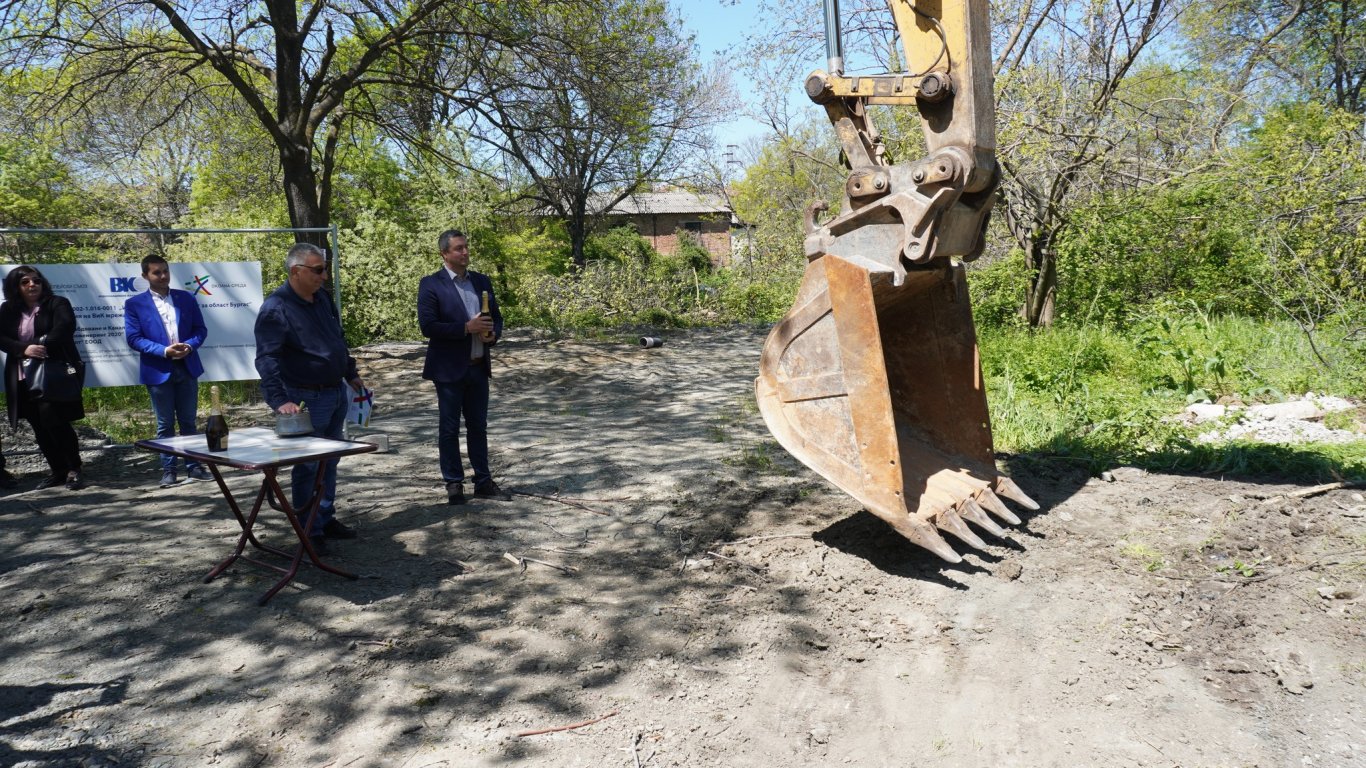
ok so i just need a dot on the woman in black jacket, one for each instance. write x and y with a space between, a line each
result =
36 323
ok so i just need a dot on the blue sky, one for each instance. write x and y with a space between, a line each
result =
717 25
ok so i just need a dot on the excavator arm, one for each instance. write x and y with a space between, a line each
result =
873 378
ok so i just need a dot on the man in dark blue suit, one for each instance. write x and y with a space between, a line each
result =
166 327
459 339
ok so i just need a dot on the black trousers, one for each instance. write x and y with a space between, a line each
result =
56 438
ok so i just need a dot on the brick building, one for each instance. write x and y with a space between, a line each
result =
660 216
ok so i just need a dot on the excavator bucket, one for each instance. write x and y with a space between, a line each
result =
877 387
872 379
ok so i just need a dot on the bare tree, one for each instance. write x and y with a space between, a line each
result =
1060 77
612 100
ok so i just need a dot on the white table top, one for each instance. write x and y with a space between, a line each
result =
256 447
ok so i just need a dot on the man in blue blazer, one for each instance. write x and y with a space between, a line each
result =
166 327
459 339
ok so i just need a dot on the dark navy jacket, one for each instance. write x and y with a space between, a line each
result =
441 315
300 343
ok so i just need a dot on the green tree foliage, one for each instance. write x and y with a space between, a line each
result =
1126 250
790 173
39 190
36 188
303 72
1274 227
1284 50
1062 82
387 249
1302 177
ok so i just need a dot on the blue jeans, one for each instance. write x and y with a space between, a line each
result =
327 410
468 397
175 401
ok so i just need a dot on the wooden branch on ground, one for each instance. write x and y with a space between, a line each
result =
540 731
767 538
522 561
566 502
1305 493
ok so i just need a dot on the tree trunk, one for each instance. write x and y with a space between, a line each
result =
301 195
1043 285
578 235
295 135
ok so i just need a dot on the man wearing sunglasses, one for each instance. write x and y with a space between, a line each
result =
303 360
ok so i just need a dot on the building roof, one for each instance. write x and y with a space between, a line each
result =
646 203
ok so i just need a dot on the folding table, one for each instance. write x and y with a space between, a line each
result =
259 449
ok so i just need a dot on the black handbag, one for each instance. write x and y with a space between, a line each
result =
54 381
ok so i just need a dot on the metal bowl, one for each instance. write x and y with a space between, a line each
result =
293 424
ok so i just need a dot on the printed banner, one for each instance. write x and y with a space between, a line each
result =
228 292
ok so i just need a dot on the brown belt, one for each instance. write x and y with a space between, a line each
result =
477 360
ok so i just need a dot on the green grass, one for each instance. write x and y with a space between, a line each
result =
1103 397
1151 558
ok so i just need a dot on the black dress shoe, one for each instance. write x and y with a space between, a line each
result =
319 545
74 481
455 493
7 480
336 529
490 490
51 481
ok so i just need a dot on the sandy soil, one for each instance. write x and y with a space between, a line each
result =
719 604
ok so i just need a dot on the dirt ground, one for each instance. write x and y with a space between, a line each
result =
716 603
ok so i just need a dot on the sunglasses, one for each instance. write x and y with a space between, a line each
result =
321 269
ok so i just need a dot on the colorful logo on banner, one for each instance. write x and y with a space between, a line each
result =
198 285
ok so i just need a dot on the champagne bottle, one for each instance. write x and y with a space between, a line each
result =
487 336
216 430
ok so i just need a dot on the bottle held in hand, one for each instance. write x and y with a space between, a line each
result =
216 430
487 336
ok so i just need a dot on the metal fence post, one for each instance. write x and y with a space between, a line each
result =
336 267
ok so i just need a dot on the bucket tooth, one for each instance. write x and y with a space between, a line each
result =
1007 488
922 534
990 503
971 511
950 522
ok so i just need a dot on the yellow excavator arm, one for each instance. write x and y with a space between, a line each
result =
873 379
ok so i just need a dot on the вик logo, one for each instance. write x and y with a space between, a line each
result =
122 284
198 285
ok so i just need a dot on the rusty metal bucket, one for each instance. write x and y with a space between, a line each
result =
873 381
